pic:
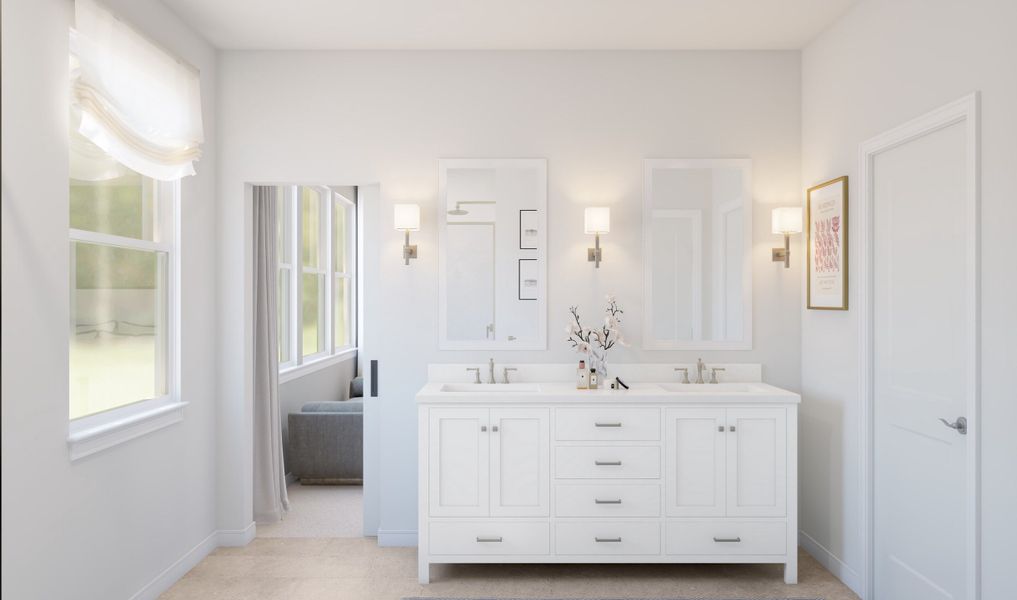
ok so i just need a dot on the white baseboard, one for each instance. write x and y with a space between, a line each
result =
833 564
165 580
397 537
237 537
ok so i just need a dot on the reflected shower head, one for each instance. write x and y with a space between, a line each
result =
458 211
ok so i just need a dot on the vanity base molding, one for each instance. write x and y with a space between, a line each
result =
664 482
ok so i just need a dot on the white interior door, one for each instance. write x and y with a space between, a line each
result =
923 363
520 477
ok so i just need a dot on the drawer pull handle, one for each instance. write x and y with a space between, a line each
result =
489 539
607 463
613 540
607 424
599 501
724 540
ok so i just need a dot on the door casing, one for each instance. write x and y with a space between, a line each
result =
964 110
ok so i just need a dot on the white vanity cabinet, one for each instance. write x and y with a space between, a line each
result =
600 477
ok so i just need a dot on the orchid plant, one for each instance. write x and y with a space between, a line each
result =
594 342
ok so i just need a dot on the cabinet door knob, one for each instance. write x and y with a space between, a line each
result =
720 428
483 428
494 428
731 428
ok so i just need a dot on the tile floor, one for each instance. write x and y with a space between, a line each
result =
357 569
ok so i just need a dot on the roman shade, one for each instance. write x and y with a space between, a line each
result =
133 100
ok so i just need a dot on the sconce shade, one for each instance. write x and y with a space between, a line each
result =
407 217
597 219
786 220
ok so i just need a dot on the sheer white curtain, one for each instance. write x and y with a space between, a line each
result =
136 102
270 499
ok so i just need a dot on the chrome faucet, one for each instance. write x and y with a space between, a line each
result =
490 370
700 367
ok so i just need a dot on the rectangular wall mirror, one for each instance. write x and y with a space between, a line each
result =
697 244
492 245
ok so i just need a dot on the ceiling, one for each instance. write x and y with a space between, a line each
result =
510 24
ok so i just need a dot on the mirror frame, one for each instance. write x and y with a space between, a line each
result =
444 165
649 166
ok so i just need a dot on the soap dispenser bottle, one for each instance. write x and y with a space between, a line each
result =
582 376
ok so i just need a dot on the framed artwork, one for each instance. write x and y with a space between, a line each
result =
826 220
528 278
529 232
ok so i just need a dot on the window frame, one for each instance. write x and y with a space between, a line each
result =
97 431
298 364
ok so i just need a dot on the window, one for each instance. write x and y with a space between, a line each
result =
316 251
121 257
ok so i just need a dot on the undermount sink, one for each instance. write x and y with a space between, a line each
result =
502 388
709 388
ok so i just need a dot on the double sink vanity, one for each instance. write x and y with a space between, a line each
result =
663 472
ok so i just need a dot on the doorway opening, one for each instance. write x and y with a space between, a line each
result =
319 387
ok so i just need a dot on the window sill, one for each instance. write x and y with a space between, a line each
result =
316 364
95 435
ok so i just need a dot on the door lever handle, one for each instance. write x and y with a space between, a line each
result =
961 425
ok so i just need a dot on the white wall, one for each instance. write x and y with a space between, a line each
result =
386 117
105 526
882 64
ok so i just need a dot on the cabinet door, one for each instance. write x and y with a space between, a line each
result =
458 462
695 462
520 462
757 462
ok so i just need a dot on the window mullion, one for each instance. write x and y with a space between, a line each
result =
298 271
327 280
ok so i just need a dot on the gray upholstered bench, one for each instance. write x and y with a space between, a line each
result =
326 444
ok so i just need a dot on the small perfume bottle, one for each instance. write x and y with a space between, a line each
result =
582 376
594 379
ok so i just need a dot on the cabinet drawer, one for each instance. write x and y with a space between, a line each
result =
607 462
607 424
609 500
726 537
606 537
489 537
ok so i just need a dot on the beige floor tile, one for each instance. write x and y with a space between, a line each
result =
358 569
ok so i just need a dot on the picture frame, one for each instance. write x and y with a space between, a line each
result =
826 264
529 231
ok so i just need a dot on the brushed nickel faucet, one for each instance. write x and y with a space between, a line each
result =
490 370
700 367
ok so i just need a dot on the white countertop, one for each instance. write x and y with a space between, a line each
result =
565 393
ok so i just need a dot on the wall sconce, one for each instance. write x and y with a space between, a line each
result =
407 219
785 221
597 220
